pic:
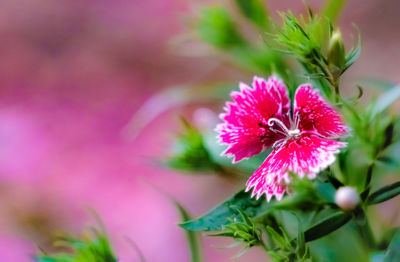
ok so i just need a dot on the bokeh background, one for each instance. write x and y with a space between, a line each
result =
74 77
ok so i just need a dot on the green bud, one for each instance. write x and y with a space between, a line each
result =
336 52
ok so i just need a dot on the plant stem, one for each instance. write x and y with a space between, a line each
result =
263 245
365 232
335 84
368 178
333 81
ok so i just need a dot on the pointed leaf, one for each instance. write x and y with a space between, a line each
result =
385 193
353 55
219 216
385 100
280 240
192 237
327 226
393 252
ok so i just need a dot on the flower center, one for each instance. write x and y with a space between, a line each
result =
294 132
282 128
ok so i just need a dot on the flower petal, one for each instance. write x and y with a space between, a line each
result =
316 115
305 156
245 128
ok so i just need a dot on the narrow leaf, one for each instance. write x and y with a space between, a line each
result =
385 193
192 237
385 100
276 236
393 252
326 226
353 55
333 8
219 216
254 10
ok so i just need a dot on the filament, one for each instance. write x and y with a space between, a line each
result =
273 120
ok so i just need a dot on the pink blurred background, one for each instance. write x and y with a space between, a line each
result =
74 73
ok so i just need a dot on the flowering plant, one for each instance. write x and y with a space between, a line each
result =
321 161
315 160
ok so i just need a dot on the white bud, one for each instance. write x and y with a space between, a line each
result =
347 198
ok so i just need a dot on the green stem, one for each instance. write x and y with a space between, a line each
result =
368 179
333 81
335 84
263 245
365 232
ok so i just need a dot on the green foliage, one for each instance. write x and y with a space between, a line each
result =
352 56
327 225
226 212
333 8
385 100
254 10
372 150
87 249
304 38
282 247
217 28
190 153
393 252
384 194
192 237
243 231
307 195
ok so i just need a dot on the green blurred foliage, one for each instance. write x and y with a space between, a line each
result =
95 248
255 11
217 28
190 152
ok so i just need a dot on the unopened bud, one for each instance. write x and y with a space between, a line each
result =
347 198
336 51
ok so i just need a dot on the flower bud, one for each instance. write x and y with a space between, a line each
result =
347 198
336 51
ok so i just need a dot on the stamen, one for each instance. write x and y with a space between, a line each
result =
279 143
297 120
273 120
278 131
294 132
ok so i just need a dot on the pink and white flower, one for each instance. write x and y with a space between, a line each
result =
259 118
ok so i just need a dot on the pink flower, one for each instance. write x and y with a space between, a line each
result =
259 118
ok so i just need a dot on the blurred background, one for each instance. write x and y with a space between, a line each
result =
77 129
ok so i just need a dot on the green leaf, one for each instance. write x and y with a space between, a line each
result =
88 249
385 193
393 252
254 10
217 28
389 132
385 100
281 241
190 153
301 243
333 8
353 55
222 214
59 258
192 237
327 226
